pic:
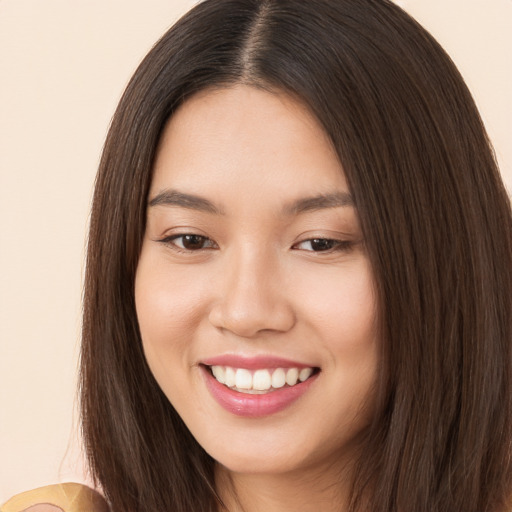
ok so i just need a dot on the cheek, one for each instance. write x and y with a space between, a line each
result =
342 305
341 311
169 309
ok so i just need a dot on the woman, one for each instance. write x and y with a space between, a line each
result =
410 410
298 292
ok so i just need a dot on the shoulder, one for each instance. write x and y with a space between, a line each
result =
69 497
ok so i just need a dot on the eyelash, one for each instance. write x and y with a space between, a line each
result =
334 245
171 240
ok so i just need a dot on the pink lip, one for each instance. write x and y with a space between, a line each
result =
253 363
254 406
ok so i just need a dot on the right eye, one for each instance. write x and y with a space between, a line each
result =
190 242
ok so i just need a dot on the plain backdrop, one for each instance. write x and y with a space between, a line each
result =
63 67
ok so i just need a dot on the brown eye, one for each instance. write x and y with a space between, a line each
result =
190 242
318 244
323 245
193 242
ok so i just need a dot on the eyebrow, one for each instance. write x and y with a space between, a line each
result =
303 205
319 202
175 198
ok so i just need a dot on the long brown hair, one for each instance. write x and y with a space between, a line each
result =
437 224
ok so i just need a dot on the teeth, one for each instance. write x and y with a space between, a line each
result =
230 377
243 379
305 373
219 372
259 381
278 378
292 376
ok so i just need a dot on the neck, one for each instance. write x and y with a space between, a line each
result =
306 491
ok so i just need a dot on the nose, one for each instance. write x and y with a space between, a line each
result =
253 297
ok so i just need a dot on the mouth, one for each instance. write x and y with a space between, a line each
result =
261 380
258 386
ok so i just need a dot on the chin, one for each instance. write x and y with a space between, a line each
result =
255 464
265 453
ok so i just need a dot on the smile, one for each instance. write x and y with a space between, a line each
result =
256 387
259 381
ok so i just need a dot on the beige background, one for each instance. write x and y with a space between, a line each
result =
63 66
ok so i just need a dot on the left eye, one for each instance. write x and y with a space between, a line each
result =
321 245
190 242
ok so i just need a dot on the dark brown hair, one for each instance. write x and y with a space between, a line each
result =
437 224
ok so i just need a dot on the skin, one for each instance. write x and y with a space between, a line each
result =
256 284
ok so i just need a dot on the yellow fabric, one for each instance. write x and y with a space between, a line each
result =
69 497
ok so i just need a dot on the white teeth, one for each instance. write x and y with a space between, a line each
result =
259 381
291 376
243 379
219 372
278 378
305 373
230 377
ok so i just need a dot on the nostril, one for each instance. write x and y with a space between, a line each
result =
249 319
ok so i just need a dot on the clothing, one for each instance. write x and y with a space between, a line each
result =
68 497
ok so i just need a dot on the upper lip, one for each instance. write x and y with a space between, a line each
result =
254 362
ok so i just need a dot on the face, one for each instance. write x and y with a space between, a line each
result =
254 294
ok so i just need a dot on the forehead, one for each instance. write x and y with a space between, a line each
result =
246 137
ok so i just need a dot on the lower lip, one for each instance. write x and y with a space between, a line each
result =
255 406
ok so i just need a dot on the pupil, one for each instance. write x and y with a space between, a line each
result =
322 244
193 242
